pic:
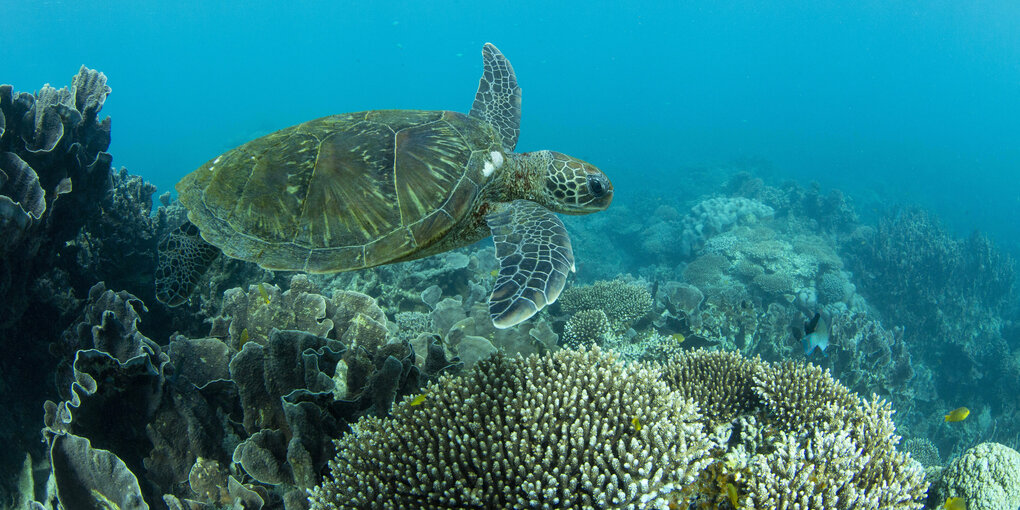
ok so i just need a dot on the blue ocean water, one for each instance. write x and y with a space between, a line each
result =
912 101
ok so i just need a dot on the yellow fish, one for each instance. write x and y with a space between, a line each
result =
418 399
731 492
955 504
494 273
244 336
958 414
636 423
263 293
678 338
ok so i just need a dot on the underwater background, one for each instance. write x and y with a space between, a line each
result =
776 167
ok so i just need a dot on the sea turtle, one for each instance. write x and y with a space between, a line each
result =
358 190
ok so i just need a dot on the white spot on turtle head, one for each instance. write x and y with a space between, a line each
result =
497 158
494 163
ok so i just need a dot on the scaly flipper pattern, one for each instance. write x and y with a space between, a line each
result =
498 100
183 257
534 257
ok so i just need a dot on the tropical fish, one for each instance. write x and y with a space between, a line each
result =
418 399
678 337
955 504
636 423
816 335
263 293
958 414
731 492
494 273
244 336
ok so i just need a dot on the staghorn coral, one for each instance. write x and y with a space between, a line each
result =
848 463
586 328
794 394
797 438
721 382
623 302
923 450
554 431
653 346
987 476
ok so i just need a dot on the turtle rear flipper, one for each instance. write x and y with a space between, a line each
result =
534 255
183 258
498 100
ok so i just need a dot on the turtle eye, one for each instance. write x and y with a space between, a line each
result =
595 186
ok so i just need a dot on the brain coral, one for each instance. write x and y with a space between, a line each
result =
717 215
986 476
575 429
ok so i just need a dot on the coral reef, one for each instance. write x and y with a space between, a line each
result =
266 406
66 222
796 437
622 302
586 328
953 284
56 174
574 429
986 476
235 396
780 434
86 478
961 296
669 235
923 451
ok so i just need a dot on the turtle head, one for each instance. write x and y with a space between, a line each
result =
573 186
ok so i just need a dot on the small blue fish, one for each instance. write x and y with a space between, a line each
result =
816 335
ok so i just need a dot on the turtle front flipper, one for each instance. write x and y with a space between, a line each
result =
498 100
183 257
534 257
